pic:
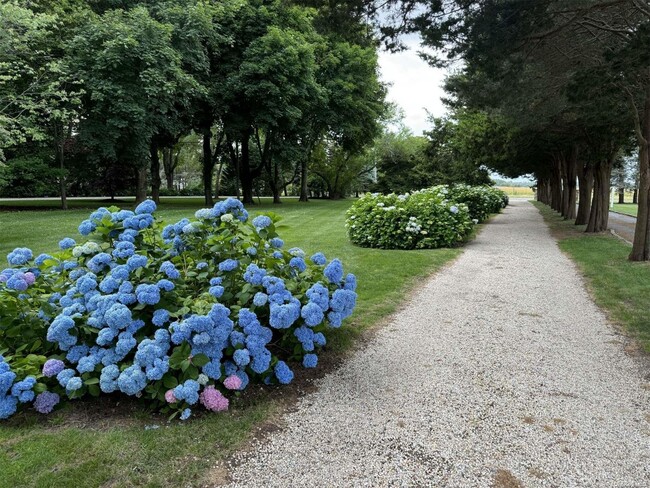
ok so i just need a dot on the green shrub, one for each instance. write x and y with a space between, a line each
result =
482 201
420 220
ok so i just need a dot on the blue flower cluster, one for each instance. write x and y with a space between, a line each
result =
179 321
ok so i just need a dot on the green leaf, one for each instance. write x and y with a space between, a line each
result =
200 360
92 381
170 381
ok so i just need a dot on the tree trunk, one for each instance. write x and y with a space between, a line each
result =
635 196
168 166
621 195
304 188
155 172
586 181
245 176
140 185
599 215
556 186
208 167
59 136
641 244
569 194
274 182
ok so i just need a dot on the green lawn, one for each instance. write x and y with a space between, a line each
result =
619 286
83 445
626 208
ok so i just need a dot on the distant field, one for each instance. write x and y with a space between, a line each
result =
517 191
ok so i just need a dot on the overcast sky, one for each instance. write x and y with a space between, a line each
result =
414 85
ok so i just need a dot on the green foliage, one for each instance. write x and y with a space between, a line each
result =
482 201
421 220
28 175
402 163
202 275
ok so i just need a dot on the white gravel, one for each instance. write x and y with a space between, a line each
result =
500 368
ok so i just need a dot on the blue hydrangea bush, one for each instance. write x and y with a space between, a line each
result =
424 219
180 315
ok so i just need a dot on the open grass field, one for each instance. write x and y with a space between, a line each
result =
517 191
626 208
105 443
620 287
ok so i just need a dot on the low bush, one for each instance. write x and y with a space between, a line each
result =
421 220
482 201
178 315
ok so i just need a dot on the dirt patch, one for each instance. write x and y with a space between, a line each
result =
505 479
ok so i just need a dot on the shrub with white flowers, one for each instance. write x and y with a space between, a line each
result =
482 201
421 220
440 216
180 316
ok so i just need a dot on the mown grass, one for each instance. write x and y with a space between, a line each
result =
626 208
82 445
619 286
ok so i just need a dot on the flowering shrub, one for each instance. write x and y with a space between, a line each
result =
480 200
421 220
180 315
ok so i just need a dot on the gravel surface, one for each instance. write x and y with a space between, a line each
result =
500 371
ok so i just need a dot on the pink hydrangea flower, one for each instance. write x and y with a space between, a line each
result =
30 278
169 396
232 382
212 399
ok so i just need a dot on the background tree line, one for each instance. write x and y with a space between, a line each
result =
104 97
559 89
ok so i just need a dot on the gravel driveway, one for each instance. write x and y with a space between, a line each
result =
499 372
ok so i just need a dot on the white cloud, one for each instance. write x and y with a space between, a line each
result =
414 85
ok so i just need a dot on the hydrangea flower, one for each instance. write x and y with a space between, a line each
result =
334 271
108 378
310 360
283 373
160 317
228 265
318 258
52 367
146 207
276 242
262 222
19 256
124 250
132 380
23 390
165 285
41 258
213 399
67 243
169 396
254 274
86 227
147 294
18 281
298 263
260 299
186 414
170 270
312 314
232 382
46 401
59 332
188 391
